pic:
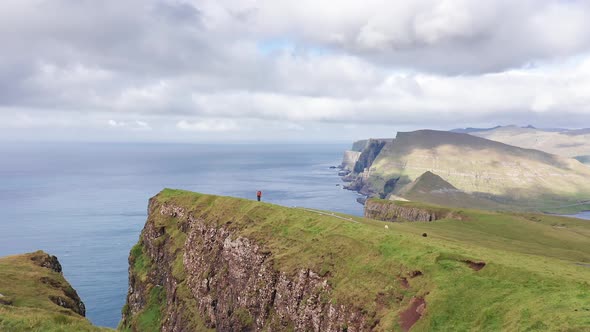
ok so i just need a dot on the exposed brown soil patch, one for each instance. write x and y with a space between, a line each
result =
51 282
404 282
476 266
381 300
5 300
415 274
412 314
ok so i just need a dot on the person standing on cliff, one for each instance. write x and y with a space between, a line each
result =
259 195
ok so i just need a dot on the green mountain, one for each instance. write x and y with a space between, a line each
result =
431 188
494 174
208 262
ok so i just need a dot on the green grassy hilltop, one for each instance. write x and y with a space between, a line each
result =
484 271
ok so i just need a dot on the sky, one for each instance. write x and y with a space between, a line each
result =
288 71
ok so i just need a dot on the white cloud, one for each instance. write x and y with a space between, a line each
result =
208 125
28 120
114 123
295 126
132 125
221 66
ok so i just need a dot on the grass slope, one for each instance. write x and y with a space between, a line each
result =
512 176
30 308
531 281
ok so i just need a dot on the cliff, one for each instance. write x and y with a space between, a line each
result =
368 155
359 146
219 263
386 210
361 169
349 160
210 276
34 296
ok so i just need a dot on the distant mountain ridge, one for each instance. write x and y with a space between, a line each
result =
549 130
563 142
472 130
485 173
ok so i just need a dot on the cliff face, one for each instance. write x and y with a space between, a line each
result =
201 275
369 154
254 295
349 160
360 165
397 211
359 146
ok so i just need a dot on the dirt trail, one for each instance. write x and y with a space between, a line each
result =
329 214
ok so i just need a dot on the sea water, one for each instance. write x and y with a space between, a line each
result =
582 215
86 203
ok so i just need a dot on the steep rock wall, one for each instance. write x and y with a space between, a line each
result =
349 160
361 170
359 146
369 154
391 211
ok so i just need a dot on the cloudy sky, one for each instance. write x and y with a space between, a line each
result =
282 70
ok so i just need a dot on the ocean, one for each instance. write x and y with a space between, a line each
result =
86 203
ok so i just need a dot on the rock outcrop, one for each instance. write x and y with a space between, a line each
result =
398 211
47 261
